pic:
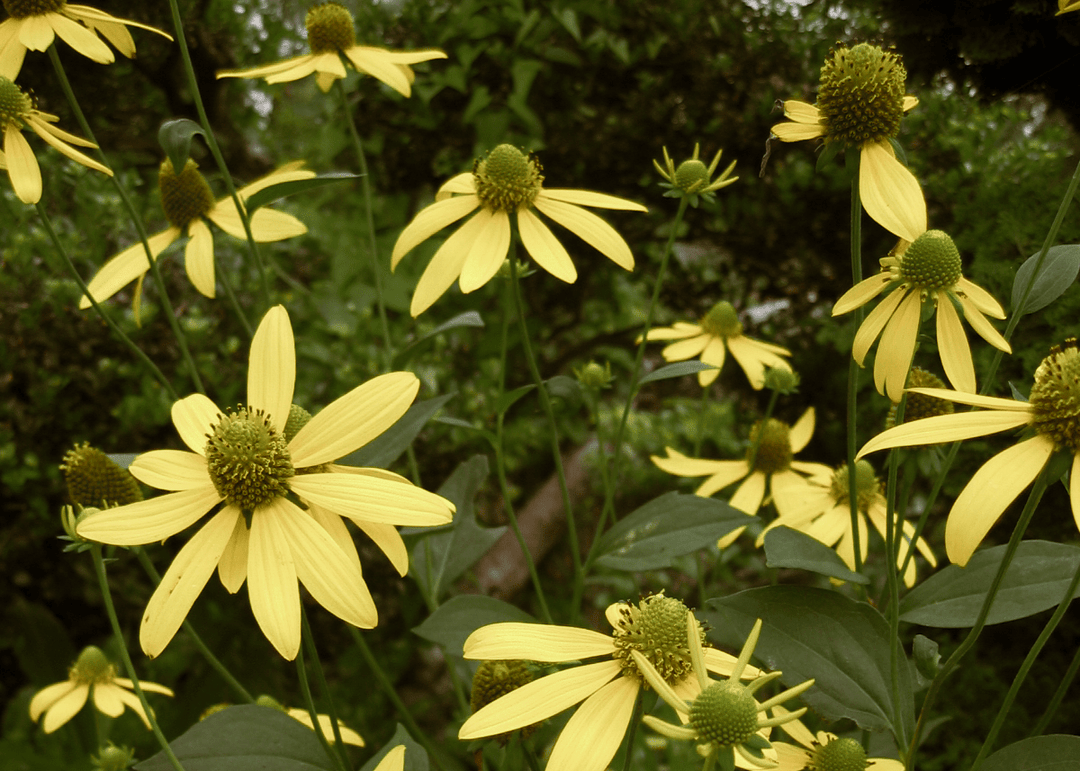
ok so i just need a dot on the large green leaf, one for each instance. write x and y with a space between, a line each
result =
452 623
440 556
1057 274
384 449
842 644
416 759
678 369
665 528
245 738
1057 752
1036 580
787 548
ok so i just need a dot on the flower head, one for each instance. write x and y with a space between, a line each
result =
655 628
692 178
822 510
35 23
248 462
189 205
824 752
16 113
860 103
505 182
93 479
711 338
113 758
722 717
926 272
92 674
331 35
1053 413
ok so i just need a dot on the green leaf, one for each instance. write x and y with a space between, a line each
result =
245 738
566 388
506 401
568 18
842 644
1056 752
1036 580
787 548
416 759
174 136
384 449
459 617
1058 272
467 319
283 189
678 369
441 555
665 528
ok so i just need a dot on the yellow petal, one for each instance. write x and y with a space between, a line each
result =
539 700
982 299
390 542
463 183
975 400
594 733
801 112
267 225
686 349
171 470
195 417
802 431
953 346
272 586
910 102
107 699
994 486
52 136
862 293
374 500
65 708
982 327
394 760
374 62
874 322
123 682
897 348
127 266
750 494
232 567
732 471
487 251
544 247
945 428
184 581
445 267
48 696
132 701
430 221
721 663
890 193
589 228
36 31
80 38
680 330
536 642
151 520
12 52
301 69
305 61
797 132
715 353
353 420
1074 488
794 728
23 169
731 537
684 466
199 257
589 198
755 357
288 172
272 367
348 735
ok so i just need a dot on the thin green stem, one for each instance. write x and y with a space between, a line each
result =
207 654
116 330
853 371
631 732
320 676
140 228
309 703
1059 694
129 668
1025 667
891 577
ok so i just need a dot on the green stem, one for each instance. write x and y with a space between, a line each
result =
309 702
1029 660
207 654
545 401
891 577
116 330
1059 695
155 271
634 721
853 371
331 711
129 668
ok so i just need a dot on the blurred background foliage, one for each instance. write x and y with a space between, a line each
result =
597 88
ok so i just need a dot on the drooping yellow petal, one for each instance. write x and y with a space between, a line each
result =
890 193
755 357
715 353
127 266
750 494
786 488
285 65
337 529
48 696
272 367
803 430
272 584
374 500
677 331
982 299
539 700
1074 488
794 728
797 132
288 172
545 248
232 567
12 52
194 417
151 520
267 225
132 701
994 486
22 166
445 267
945 428
801 112
463 183
897 348
685 466
590 228
686 349
536 642
184 581
974 400
171 470
732 471
55 137
594 733
589 198
862 293
199 258
80 38
107 699
488 250
953 346
874 322
430 221
65 708
374 62
123 682
982 327
720 663
390 542
348 735
353 420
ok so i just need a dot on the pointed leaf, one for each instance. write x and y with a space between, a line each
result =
504 402
787 548
454 621
272 193
1057 273
388 446
174 136
1057 752
678 369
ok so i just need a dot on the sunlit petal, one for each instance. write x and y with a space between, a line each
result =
374 62
374 500
802 431
590 228
890 193
127 266
750 494
536 642
862 293
874 322
953 346
488 250
23 169
897 348
195 417
945 428
594 733
272 367
685 466
544 247
152 520
171 470
272 584
755 358
65 708
589 198
982 326
232 567
199 258
430 221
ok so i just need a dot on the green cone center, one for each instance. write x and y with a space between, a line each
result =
773 447
691 175
94 480
15 105
507 179
931 262
20 9
92 667
866 484
1055 397
655 628
724 714
722 321
861 97
248 460
495 679
185 196
330 29
838 755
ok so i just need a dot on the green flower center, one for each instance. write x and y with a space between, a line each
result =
1055 397
931 262
113 758
861 97
691 175
507 179
867 486
92 667
330 29
20 9
495 679
919 406
724 714
722 321
185 196
773 442
94 480
655 628
248 460
838 755
15 105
